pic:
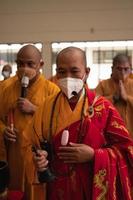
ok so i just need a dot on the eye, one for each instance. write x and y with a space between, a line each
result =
31 64
126 69
19 63
75 72
60 71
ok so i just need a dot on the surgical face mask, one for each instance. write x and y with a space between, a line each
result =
70 86
6 74
29 72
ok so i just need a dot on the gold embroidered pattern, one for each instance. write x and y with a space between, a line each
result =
98 108
95 108
99 181
116 125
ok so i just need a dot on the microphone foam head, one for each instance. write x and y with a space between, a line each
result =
25 81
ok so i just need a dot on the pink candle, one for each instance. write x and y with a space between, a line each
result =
65 138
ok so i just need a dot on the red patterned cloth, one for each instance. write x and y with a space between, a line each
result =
110 175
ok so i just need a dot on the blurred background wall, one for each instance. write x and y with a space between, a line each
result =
48 21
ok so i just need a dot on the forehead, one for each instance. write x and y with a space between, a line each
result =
70 59
7 67
122 64
28 54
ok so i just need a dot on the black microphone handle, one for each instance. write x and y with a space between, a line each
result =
23 92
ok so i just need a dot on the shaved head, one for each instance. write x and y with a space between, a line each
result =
29 50
121 58
29 61
71 62
71 51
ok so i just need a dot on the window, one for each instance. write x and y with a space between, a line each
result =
8 54
99 56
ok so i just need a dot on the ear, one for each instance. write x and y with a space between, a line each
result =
41 63
112 67
87 70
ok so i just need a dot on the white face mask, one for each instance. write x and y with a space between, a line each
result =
70 86
6 74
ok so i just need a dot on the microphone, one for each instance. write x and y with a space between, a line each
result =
24 84
46 175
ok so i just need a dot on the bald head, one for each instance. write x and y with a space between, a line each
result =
29 56
121 67
29 51
71 52
121 58
71 62
29 61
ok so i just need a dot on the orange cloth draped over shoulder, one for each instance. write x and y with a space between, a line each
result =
11 152
110 175
6 83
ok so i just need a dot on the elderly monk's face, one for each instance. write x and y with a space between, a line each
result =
28 62
28 59
71 64
120 71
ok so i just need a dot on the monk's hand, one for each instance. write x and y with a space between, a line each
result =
116 97
40 160
76 153
25 106
123 93
10 135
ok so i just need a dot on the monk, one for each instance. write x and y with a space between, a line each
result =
119 89
6 71
91 150
17 111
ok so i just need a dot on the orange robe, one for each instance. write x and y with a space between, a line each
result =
54 79
11 152
107 88
6 83
103 130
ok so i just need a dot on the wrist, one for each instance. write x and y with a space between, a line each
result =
91 158
33 109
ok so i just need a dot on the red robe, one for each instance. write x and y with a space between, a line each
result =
110 175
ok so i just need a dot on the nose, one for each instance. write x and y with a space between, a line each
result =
68 75
123 71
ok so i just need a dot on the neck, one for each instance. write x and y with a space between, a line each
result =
34 79
6 78
75 98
